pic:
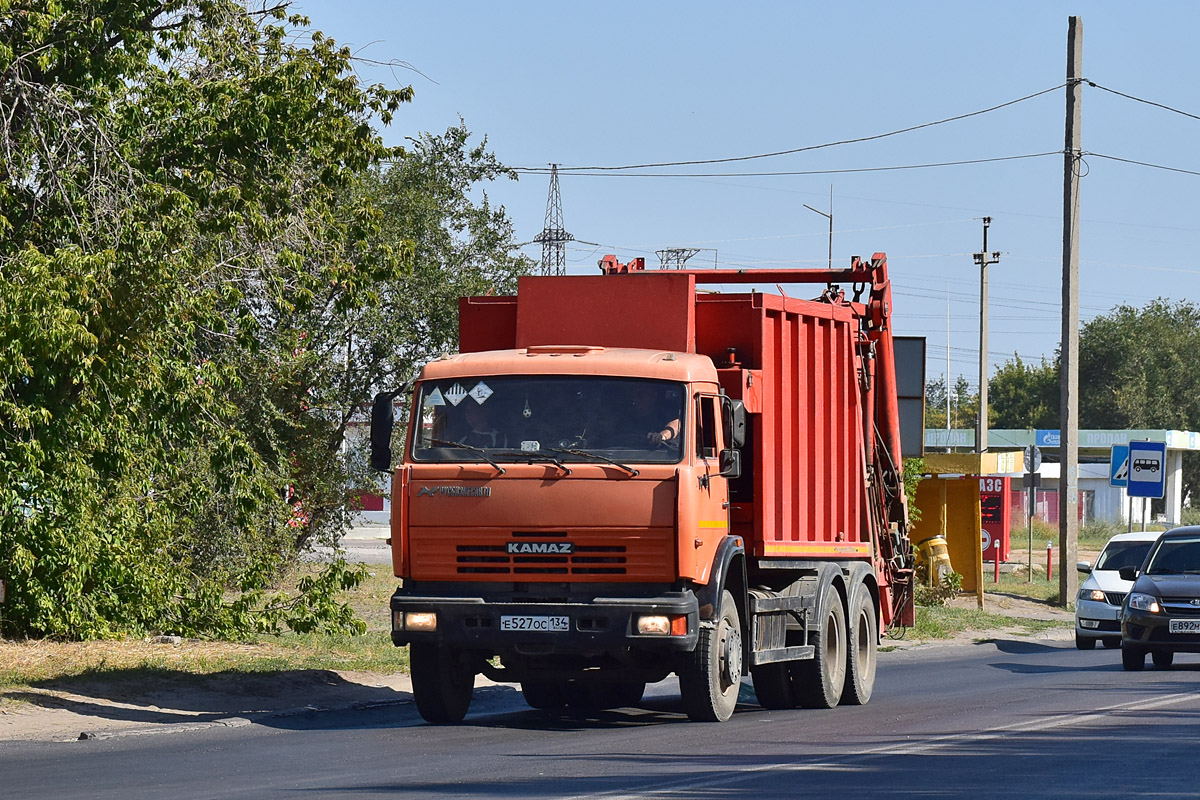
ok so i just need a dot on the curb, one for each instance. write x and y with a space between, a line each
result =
234 722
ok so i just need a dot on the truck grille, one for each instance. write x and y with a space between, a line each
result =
594 555
586 560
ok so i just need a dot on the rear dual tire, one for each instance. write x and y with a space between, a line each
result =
820 681
843 667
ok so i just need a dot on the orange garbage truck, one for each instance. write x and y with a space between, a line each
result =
625 475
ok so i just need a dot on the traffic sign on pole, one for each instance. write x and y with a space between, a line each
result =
1118 465
1147 472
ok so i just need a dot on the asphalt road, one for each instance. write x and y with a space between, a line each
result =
1007 719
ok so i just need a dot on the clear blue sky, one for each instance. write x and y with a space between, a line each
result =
635 82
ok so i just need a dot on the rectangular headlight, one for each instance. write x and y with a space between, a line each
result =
654 625
420 621
662 625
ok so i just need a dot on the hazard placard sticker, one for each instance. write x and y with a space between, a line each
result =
481 393
435 398
456 394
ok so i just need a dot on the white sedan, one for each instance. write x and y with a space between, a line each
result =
1098 606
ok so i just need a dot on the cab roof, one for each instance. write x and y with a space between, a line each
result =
576 360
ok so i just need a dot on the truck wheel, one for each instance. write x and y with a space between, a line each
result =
860 662
545 695
600 696
442 684
773 685
819 681
710 680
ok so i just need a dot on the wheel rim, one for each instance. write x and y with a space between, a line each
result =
834 656
864 646
731 657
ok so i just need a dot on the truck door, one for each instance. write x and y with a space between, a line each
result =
713 507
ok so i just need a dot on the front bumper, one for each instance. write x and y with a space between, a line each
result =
1151 631
1096 620
597 624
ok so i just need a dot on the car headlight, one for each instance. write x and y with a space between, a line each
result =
1144 602
1092 594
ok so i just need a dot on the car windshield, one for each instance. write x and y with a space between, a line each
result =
514 418
1175 555
1123 554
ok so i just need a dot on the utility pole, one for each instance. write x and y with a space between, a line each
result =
830 218
1068 480
983 259
948 434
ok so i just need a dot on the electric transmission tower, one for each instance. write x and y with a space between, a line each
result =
554 236
675 257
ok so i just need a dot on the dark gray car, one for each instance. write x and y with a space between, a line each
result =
1161 615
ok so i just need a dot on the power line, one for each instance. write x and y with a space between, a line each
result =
1142 163
611 174
818 146
1140 100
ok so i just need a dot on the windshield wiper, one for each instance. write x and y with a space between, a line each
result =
536 454
482 453
589 454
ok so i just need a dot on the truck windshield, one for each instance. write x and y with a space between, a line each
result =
511 418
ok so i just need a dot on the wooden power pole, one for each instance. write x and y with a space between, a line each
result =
1068 480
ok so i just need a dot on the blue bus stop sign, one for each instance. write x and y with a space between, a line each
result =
1147 469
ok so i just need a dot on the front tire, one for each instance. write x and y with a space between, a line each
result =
710 680
820 681
545 695
863 628
1084 643
1162 658
1133 658
622 694
442 683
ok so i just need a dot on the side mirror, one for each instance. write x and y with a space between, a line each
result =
734 412
1083 566
1128 573
381 431
731 463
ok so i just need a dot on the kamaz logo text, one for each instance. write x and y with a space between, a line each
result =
540 548
455 491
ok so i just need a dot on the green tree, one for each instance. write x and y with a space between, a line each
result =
1137 369
964 404
1023 395
175 173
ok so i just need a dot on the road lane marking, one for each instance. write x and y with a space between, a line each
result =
922 746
